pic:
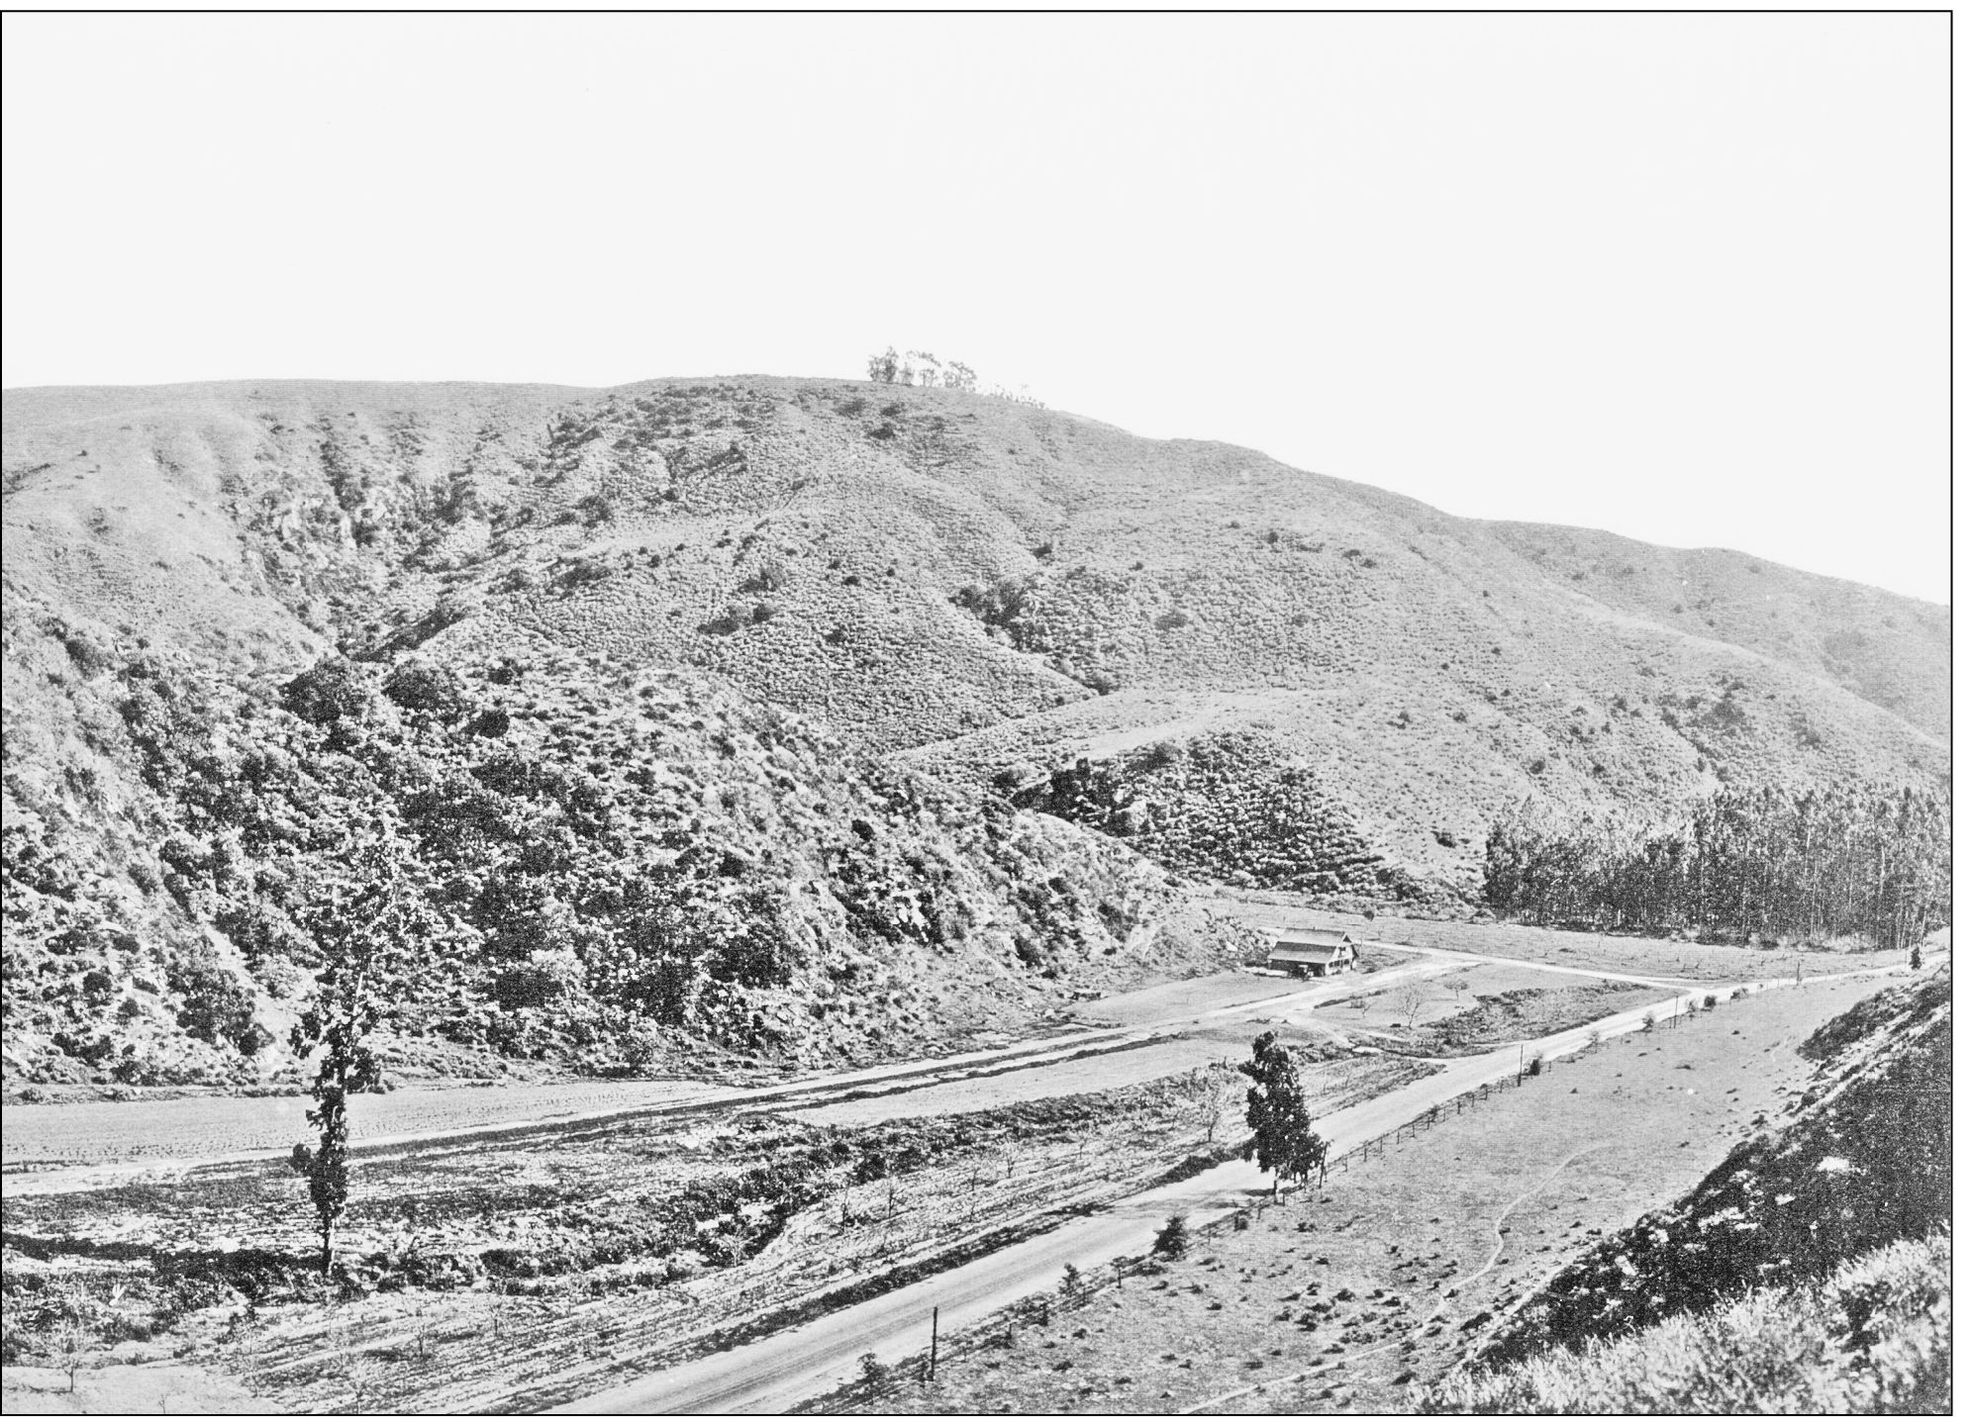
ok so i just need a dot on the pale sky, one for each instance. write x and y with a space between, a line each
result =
1680 277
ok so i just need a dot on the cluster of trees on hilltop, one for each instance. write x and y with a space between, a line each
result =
1856 860
916 368
921 369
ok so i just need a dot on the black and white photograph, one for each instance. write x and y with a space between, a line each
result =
954 714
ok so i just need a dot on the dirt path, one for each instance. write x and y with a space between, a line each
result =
1499 1225
1470 958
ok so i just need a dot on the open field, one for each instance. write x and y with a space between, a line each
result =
536 1264
209 1126
145 1380
1344 1297
1332 1083
1483 1011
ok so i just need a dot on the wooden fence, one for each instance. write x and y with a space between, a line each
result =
999 1331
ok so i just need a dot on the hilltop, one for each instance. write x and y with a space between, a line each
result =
940 608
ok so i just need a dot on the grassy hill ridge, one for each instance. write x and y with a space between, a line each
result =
973 594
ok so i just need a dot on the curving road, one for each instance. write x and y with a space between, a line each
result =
775 1373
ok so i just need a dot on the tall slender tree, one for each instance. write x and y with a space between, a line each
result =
370 930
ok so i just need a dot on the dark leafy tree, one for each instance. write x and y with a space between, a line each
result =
1074 1288
1283 1138
1174 1238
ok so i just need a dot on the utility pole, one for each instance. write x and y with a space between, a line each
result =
934 1342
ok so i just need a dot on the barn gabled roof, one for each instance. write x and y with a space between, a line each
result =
1312 936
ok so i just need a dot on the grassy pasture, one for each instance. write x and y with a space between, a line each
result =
1346 1297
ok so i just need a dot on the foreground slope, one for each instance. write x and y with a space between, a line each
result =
1875 1336
1819 1219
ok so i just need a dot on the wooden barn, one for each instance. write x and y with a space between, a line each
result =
1311 952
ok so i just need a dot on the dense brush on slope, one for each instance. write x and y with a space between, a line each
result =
1357 684
988 582
1861 1161
1875 1336
1231 807
641 870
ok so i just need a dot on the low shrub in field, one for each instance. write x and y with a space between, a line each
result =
1873 1337
1174 1238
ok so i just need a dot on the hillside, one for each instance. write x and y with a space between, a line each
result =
1873 1337
632 873
910 589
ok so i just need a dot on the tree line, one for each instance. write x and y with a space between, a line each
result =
1863 861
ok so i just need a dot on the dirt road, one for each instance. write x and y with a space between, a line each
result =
61 1148
776 1373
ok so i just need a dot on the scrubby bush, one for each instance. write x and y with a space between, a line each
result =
216 1007
771 575
1174 1238
424 687
332 689
728 621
